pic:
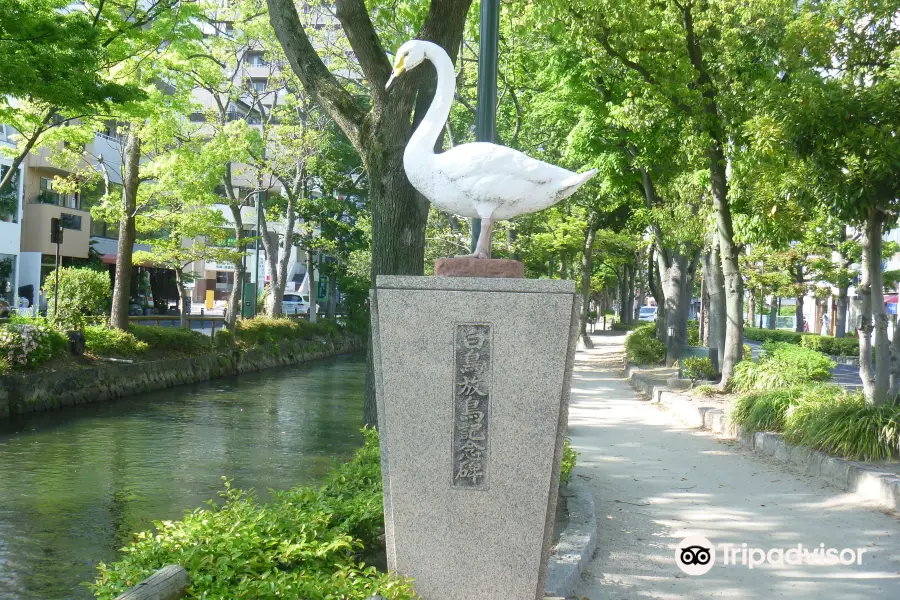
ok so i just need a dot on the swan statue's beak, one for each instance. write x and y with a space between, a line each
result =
399 68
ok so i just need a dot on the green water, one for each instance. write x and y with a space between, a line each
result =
76 483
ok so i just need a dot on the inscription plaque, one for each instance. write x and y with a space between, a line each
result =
472 403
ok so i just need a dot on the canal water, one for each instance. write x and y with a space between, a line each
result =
76 483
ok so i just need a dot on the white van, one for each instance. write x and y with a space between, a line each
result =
648 313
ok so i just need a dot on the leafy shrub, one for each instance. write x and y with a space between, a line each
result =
781 365
223 339
825 417
758 334
4 365
101 340
706 390
27 345
619 326
569 456
263 331
642 347
746 352
697 367
82 293
171 339
826 344
304 543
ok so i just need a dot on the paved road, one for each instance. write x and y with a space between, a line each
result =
655 483
844 375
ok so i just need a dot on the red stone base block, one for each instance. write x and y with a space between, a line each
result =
465 266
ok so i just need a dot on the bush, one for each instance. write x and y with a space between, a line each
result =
264 331
101 340
224 339
772 335
28 345
706 390
642 347
569 456
82 293
4 365
304 543
826 344
171 339
825 417
781 365
619 326
747 352
697 367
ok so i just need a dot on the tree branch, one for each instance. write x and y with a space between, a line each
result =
365 43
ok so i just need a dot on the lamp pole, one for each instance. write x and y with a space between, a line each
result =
486 109
258 225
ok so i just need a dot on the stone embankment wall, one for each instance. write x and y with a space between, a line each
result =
23 393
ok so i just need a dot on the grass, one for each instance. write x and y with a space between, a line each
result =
824 417
782 365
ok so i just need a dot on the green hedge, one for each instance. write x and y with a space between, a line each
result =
103 341
642 347
781 365
758 334
619 326
304 543
172 339
825 417
268 330
845 346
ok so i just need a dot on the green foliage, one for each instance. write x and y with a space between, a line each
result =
697 367
824 417
267 331
826 344
103 341
642 347
747 353
224 339
775 335
693 333
171 339
781 365
706 390
82 293
619 326
4 365
26 345
569 457
304 543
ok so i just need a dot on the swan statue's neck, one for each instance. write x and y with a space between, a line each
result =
423 139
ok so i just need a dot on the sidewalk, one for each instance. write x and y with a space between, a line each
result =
655 483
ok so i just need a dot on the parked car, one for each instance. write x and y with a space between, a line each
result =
294 304
647 313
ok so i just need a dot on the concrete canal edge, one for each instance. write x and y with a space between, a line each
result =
576 543
48 391
879 487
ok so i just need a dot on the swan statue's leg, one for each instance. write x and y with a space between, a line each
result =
483 248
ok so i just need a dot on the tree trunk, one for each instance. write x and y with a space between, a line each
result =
704 307
311 280
331 303
130 181
273 298
773 312
712 272
843 301
751 308
182 297
674 286
234 298
871 292
800 298
587 256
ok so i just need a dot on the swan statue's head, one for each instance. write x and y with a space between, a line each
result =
409 56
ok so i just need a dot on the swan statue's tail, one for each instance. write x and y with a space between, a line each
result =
570 185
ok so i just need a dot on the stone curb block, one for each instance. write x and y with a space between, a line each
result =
576 543
881 487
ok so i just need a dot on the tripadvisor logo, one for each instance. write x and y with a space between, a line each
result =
695 555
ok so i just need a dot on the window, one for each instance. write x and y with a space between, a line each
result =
224 277
70 221
256 59
259 84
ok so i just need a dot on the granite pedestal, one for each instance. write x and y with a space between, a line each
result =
472 381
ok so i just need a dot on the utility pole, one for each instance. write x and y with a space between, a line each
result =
258 226
486 110
56 237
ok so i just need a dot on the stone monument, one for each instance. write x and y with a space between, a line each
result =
472 382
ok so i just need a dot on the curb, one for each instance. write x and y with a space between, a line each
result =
880 487
576 543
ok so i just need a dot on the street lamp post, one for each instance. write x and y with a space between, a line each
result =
486 110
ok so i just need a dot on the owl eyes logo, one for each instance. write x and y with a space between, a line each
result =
695 555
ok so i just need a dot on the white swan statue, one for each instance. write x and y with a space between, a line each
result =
480 179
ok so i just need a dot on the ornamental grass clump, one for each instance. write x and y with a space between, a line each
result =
304 543
781 365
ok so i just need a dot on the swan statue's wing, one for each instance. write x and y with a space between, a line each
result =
501 182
